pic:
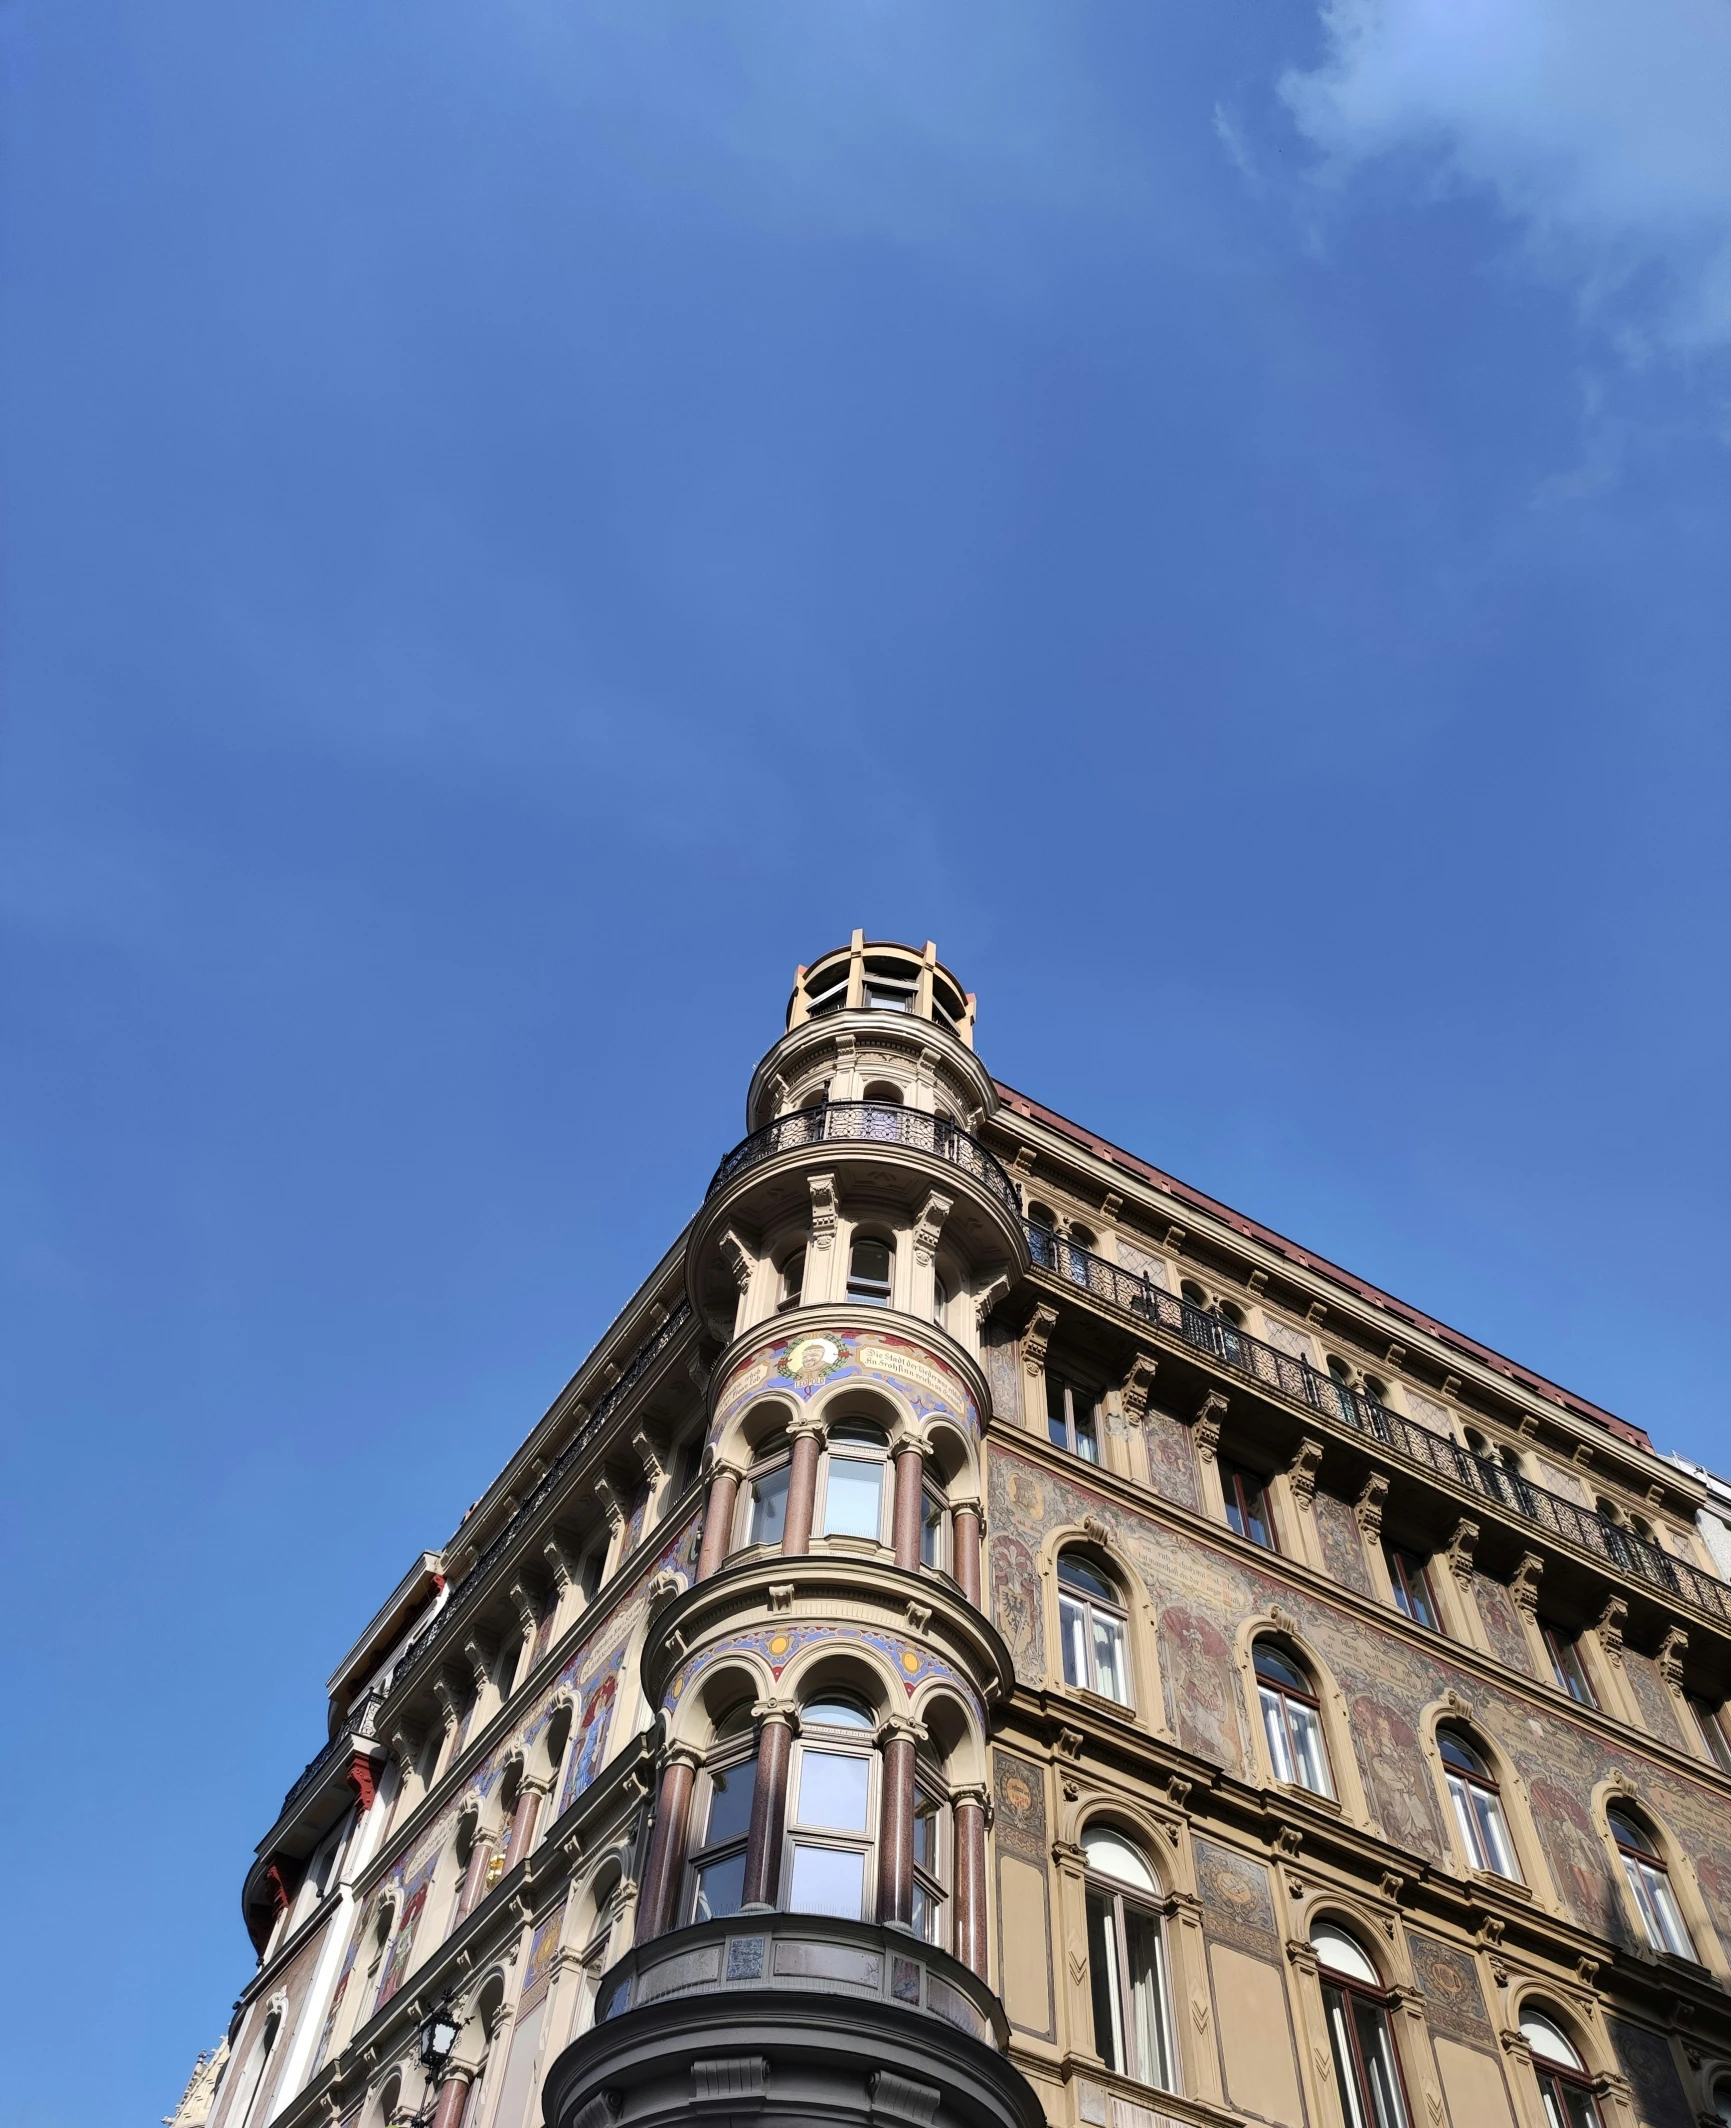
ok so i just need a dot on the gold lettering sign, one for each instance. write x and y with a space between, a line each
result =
907 1368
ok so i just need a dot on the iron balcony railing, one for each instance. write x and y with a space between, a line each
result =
463 1600
358 1728
873 1123
1296 1378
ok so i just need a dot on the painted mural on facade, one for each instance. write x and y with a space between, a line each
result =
801 1366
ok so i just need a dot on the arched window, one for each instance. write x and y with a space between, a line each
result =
1563 2087
1126 1961
792 1282
832 1810
1478 1807
854 1493
1340 1374
871 1271
1072 1417
1291 1720
1649 1879
722 1819
1092 1628
1354 2003
765 1492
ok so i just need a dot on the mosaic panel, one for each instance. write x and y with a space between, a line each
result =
1019 1796
543 1946
803 1364
1502 1626
1652 1696
1237 1904
1454 2002
594 1721
778 1645
1141 1264
1002 1361
1342 1543
1645 2059
1285 1339
403 1935
1555 1479
1197 1659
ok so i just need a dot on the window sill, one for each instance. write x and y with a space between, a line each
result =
1494 1880
1298 1791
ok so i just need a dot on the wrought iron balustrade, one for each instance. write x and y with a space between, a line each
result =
358 1728
462 1601
872 1122
1138 1295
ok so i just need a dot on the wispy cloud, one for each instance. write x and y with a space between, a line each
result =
1603 127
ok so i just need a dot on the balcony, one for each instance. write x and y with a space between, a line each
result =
1299 1382
797 2018
872 1123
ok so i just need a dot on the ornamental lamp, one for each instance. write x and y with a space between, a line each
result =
438 2037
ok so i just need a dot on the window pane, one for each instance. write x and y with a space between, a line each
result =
1073 1632
1308 1748
730 1803
828 1880
851 1507
1110 1673
1352 2094
928 1915
1055 1431
720 1888
834 1790
1673 1935
1493 1827
1147 2003
1274 1729
1467 1818
769 1506
1087 1442
926 1836
1103 1982
932 1532
1376 2048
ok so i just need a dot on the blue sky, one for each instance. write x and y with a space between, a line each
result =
523 522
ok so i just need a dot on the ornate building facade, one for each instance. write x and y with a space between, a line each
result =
992 1636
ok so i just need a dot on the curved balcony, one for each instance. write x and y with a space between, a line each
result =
872 1123
796 2018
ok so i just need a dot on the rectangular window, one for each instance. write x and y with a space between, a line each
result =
769 1505
853 1497
718 1864
934 1531
1247 1505
828 1880
1566 1664
1072 1420
1712 1726
1410 1578
931 1873
832 1800
834 1790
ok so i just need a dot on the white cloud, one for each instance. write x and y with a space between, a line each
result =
1602 126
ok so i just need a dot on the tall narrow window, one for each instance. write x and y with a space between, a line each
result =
766 1494
1650 1885
854 1480
724 1813
934 1529
833 1813
1291 1721
1126 1961
1564 2089
1566 1664
870 1272
1072 1420
1710 1721
792 1282
1410 1579
1366 2068
1247 1505
1478 1807
1091 1625
932 1845
940 1301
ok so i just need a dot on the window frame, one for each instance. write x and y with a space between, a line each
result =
1463 1784
729 1755
1710 1721
862 1291
1409 1571
1647 1873
1285 1696
1093 1609
939 1557
934 1879
1063 1429
834 1740
838 1447
791 1295
1358 1994
1233 1477
1121 1900
1568 1665
775 1457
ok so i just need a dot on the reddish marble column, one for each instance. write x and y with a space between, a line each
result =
717 1519
966 1521
768 1803
910 1503
453 2098
970 1891
666 1846
896 1823
475 1876
523 1821
807 1439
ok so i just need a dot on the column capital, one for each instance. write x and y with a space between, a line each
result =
678 1754
911 1444
782 1711
807 1426
901 1729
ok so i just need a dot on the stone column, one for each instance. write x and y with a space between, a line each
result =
776 1719
453 2096
970 1885
966 1523
667 1843
475 1876
898 1738
910 1460
807 1438
718 1518
530 1795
